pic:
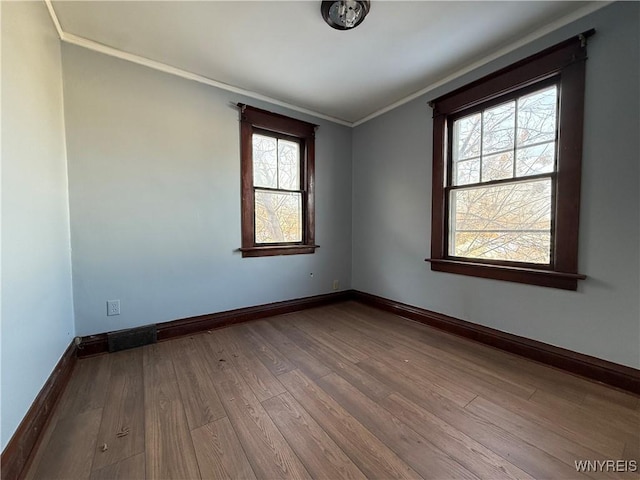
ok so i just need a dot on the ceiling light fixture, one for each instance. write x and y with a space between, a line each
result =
344 14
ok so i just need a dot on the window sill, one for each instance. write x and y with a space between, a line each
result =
270 251
531 276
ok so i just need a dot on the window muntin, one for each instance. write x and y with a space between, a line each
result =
496 212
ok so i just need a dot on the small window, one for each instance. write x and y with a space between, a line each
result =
506 171
277 184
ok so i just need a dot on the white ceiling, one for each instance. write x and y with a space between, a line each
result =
285 51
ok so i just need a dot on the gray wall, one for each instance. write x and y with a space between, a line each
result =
154 195
37 314
392 209
154 174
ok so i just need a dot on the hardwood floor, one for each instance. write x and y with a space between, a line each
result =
343 391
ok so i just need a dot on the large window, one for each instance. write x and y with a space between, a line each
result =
506 171
277 184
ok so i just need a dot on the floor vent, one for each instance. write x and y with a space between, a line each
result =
131 338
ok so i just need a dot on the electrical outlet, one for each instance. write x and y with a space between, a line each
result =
113 307
336 284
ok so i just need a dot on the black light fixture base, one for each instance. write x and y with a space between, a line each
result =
344 14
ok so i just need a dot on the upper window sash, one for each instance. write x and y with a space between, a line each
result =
515 97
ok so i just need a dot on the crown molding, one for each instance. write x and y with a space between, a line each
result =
171 70
178 72
541 32
54 18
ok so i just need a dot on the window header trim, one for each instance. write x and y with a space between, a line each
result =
544 64
275 122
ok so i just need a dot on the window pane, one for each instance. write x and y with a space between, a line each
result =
278 217
265 166
504 222
288 165
534 160
498 129
537 116
495 167
466 137
467 171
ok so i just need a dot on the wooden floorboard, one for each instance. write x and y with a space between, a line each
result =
219 452
471 454
275 361
88 386
296 355
169 448
369 453
126 469
69 452
417 451
334 359
267 451
320 455
199 395
262 382
122 426
534 433
341 391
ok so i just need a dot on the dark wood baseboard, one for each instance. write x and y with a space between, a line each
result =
23 443
96 344
20 448
613 374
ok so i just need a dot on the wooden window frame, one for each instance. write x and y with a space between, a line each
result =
563 64
264 122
